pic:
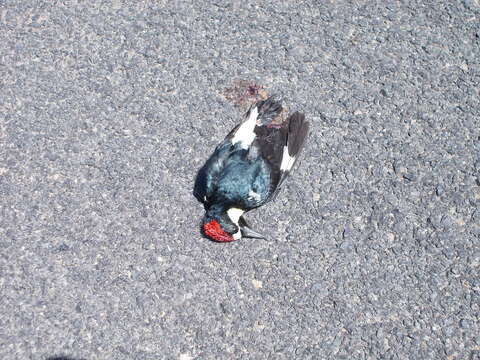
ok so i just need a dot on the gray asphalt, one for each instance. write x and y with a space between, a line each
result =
108 109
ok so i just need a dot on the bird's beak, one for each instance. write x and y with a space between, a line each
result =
249 232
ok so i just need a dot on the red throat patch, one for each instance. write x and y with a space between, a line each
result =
215 232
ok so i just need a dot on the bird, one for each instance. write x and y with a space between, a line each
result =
247 169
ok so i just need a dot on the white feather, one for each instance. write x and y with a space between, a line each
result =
245 133
287 160
234 215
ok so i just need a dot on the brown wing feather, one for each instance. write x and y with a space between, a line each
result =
297 134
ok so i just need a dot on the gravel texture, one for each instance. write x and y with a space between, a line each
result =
108 109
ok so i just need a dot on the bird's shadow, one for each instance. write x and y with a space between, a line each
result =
62 358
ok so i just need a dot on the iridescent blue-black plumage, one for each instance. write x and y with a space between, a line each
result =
235 177
247 168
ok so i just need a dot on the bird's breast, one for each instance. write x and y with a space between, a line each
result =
244 182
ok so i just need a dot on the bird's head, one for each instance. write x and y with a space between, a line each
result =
227 226
214 230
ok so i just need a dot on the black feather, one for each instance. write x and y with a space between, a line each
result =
208 175
270 142
297 133
268 110
296 129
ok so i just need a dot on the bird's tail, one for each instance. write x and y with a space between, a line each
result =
268 110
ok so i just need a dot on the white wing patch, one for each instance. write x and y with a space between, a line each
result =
245 133
234 215
287 160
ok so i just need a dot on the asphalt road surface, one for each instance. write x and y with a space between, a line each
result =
108 109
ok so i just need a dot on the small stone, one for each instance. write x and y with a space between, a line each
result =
465 323
185 357
439 190
297 51
257 284
346 245
63 247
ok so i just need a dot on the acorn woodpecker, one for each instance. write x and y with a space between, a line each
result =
247 169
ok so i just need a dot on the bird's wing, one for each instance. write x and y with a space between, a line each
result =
237 155
297 131
273 148
269 143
